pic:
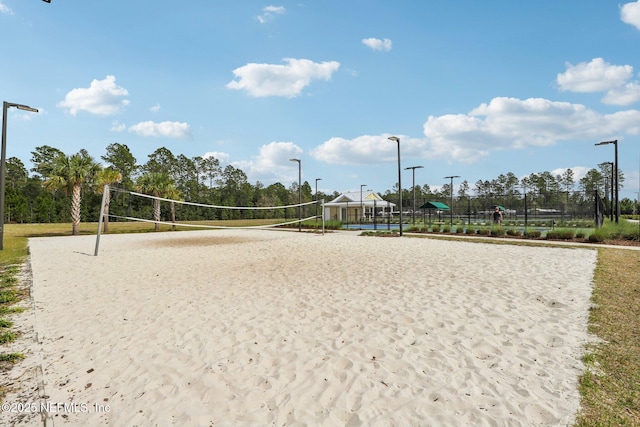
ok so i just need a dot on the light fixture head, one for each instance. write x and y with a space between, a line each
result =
615 141
394 138
26 108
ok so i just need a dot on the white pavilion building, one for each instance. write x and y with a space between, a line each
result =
357 206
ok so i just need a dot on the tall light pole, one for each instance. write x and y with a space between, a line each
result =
413 210
615 176
451 207
361 206
299 192
396 139
317 179
5 106
611 201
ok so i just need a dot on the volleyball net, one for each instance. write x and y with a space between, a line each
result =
124 206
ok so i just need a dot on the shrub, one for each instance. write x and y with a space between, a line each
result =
470 230
497 231
580 235
596 237
567 234
560 234
459 230
484 231
446 229
532 234
514 233
624 230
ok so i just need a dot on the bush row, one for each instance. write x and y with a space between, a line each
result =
623 231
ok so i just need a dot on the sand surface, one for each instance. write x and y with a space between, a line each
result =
260 328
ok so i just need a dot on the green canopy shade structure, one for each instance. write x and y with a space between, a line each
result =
435 205
499 207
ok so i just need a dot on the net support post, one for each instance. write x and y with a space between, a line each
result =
101 220
323 217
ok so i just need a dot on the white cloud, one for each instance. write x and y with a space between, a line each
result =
269 12
579 172
600 76
163 129
502 124
5 9
222 157
594 76
116 126
103 97
630 14
623 95
155 108
367 149
261 80
510 123
377 44
272 163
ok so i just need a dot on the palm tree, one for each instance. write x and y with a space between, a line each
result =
107 176
159 185
70 174
172 193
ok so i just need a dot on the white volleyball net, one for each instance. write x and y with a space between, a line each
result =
120 208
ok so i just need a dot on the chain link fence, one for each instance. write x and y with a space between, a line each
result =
555 208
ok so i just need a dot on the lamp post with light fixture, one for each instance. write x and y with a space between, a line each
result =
396 139
5 106
612 196
615 175
451 189
413 212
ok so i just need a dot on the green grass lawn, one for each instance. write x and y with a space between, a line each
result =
610 387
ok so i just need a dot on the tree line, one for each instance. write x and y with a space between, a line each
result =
62 187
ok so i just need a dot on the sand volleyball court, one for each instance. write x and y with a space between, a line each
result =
260 328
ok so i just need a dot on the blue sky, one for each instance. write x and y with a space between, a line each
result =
472 88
